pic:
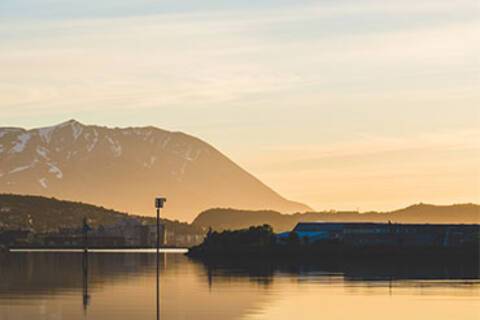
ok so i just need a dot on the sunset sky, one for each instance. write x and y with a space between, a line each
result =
337 104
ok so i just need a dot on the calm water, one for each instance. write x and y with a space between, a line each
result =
39 285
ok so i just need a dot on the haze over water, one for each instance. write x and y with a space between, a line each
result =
39 285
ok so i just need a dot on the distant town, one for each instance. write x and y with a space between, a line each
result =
34 221
126 233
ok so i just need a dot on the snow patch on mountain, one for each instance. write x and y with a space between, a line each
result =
191 156
21 143
77 130
93 144
165 142
42 151
151 162
115 147
55 170
20 169
43 182
46 134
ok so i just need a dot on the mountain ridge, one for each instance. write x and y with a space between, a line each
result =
125 168
42 214
230 219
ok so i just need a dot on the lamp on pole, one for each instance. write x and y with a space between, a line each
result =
159 203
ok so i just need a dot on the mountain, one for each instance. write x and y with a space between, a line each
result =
47 214
125 168
223 219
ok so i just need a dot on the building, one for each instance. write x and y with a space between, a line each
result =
14 237
74 241
386 234
134 234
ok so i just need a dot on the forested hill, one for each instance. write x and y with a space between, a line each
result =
221 219
49 214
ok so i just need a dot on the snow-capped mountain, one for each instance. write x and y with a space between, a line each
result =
125 168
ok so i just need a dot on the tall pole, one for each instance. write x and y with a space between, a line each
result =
158 263
158 230
85 230
159 202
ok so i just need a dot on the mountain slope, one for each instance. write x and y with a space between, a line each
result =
45 214
125 168
221 219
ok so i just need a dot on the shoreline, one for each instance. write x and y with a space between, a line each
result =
340 253
96 249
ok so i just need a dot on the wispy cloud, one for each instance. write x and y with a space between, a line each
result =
206 58
301 157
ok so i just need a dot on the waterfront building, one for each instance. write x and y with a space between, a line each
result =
385 234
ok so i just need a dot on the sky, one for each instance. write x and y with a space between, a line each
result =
347 105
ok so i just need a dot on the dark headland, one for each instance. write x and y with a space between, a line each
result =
314 241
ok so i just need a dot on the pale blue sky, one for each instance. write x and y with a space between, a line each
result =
354 95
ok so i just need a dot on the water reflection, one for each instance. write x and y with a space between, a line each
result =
85 296
123 286
49 273
369 270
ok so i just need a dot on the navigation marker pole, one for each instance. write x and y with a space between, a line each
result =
159 203
86 297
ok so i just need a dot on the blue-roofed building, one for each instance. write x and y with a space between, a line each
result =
359 234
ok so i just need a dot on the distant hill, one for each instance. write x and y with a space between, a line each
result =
47 214
125 168
222 219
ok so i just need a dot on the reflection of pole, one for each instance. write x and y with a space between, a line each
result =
209 277
158 263
390 286
86 296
